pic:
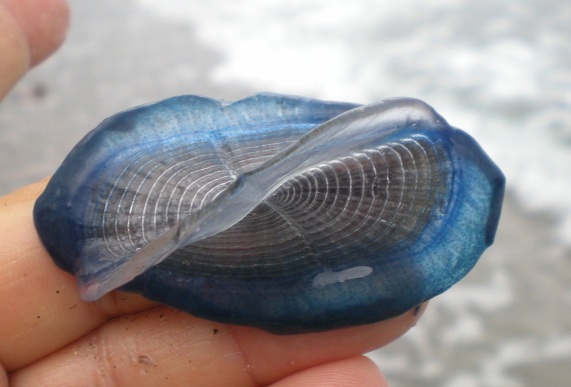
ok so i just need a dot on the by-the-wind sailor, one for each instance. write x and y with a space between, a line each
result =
280 212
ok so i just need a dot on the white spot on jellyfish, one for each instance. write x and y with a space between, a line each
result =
329 277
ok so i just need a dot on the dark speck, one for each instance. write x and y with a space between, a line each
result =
215 331
39 90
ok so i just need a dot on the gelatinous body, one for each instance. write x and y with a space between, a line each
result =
280 212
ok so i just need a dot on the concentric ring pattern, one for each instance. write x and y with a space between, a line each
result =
281 212
359 205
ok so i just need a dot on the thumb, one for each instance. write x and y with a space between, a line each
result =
30 30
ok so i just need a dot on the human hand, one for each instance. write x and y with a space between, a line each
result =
50 337
30 30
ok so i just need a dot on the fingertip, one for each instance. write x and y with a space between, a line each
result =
3 377
30 30
357 371
15 51
27 194
274 357
44 23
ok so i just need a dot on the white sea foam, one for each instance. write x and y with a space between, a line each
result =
500 72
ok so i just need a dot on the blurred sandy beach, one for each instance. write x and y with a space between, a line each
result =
507 324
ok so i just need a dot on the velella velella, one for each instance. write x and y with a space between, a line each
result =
280 212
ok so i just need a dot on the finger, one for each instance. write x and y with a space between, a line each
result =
15 51
41 309
354 372
3 377
30 30
170 348
43 22
273 357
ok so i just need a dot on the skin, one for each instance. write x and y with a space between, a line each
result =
50 337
